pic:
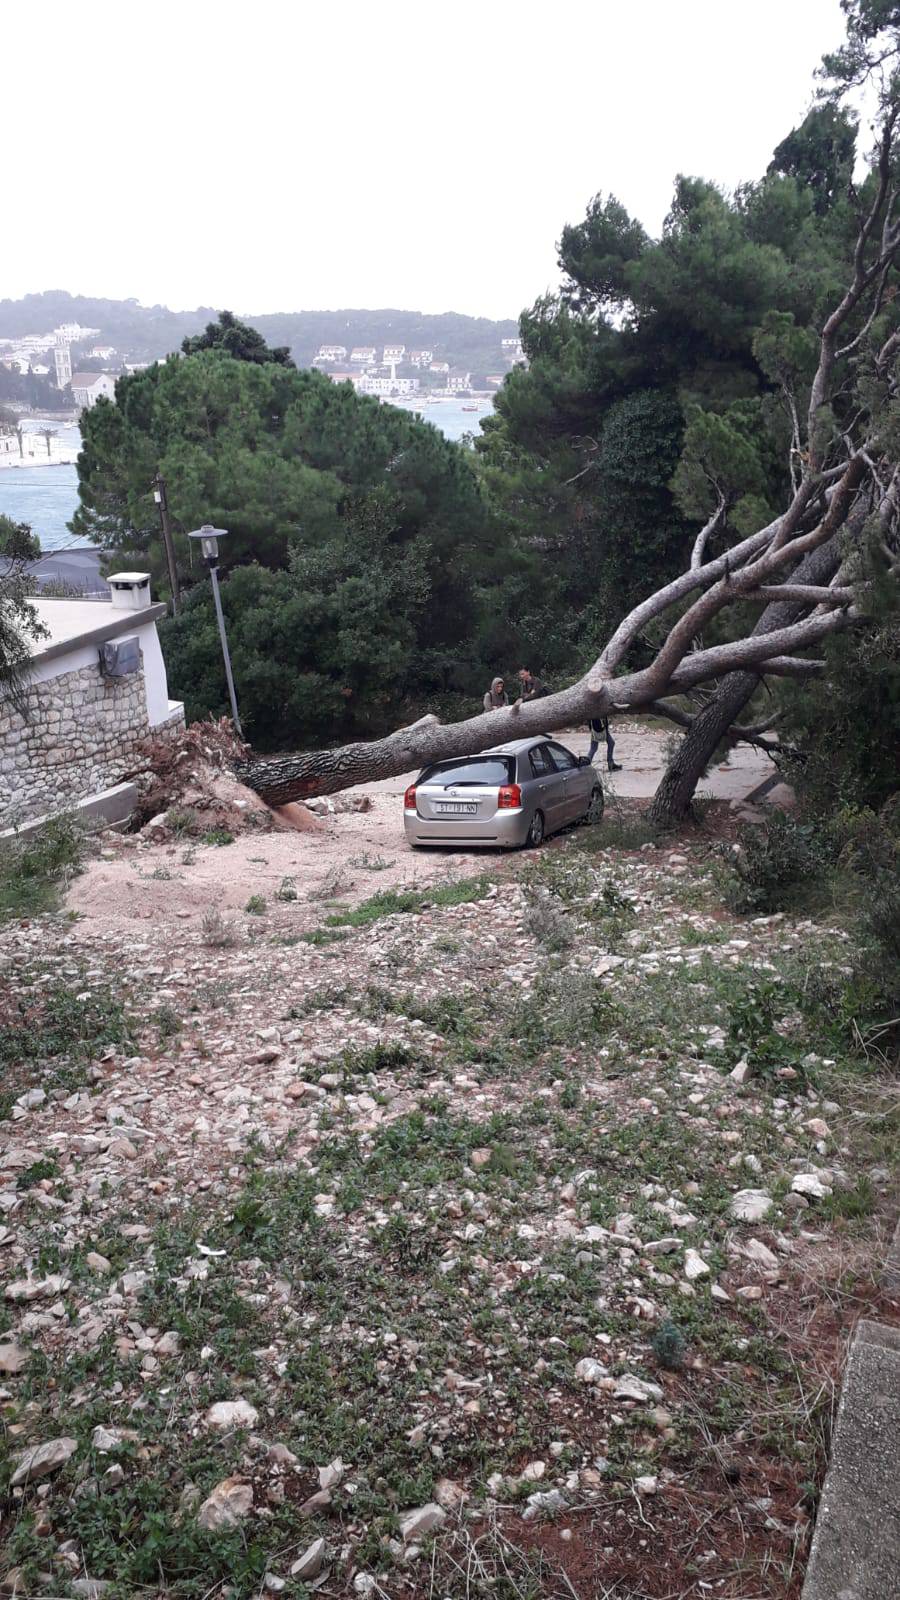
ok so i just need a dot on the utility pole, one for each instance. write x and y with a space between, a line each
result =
159 495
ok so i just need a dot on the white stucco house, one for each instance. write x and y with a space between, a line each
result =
89 387
95 687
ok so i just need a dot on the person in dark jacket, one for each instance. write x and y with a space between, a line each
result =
532 687
598 728
496 695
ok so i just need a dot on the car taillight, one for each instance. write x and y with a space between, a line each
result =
409 799
509 796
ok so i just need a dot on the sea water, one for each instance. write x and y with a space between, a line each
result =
46 497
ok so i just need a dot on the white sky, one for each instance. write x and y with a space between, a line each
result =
278 157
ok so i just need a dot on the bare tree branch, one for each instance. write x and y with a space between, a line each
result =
713 523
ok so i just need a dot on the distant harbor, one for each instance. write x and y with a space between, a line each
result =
46 495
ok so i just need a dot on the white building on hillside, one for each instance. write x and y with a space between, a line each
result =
73 333
89 387
460 382
393 355
369 384
363 355
420 358
331 352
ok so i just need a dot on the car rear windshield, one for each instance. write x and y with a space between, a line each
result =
489 771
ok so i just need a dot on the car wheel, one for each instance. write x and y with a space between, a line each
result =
594 811
535 836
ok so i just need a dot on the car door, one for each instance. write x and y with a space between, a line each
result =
549 787
575 779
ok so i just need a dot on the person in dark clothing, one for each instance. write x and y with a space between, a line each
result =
496 695
532 687
598 728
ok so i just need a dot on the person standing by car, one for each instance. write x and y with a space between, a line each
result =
496 695
598 728
532 687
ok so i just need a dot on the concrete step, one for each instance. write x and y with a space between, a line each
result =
856 1545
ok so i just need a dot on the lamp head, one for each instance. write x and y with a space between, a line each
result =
209 541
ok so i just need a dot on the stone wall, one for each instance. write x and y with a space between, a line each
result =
77 737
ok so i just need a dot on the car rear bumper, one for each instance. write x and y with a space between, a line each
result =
506 830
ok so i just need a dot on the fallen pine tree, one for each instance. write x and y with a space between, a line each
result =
807 569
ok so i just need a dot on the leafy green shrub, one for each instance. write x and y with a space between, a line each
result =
772 859
751 1027
668 1345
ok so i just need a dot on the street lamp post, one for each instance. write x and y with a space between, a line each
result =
209 547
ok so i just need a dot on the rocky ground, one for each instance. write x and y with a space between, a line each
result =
438 1228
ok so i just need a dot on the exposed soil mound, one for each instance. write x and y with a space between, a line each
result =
187 786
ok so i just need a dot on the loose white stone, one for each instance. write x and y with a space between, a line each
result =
818 1128
12 1358
694 1266
229 1502
42 1460
232 1414
106 1439
332 1475
590 1371
37 1288
751 1205
631 1388
810 1184
548 1502
756 1251
423 1519
310 1564
648 1484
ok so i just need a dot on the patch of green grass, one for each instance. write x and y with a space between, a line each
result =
852 1204
167 1022
35 869
619 830
217 836
322 936
66 1021
256 905
37 1172
391 901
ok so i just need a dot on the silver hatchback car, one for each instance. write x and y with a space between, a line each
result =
507 797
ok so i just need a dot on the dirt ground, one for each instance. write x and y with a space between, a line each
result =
344 855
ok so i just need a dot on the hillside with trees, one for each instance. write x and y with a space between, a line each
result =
358 547
149 333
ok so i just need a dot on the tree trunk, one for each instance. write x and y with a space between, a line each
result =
279 779
676 788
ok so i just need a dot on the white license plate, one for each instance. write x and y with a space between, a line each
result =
456 808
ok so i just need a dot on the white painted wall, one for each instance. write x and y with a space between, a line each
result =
159 707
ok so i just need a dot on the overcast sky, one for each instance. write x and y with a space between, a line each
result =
286 155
